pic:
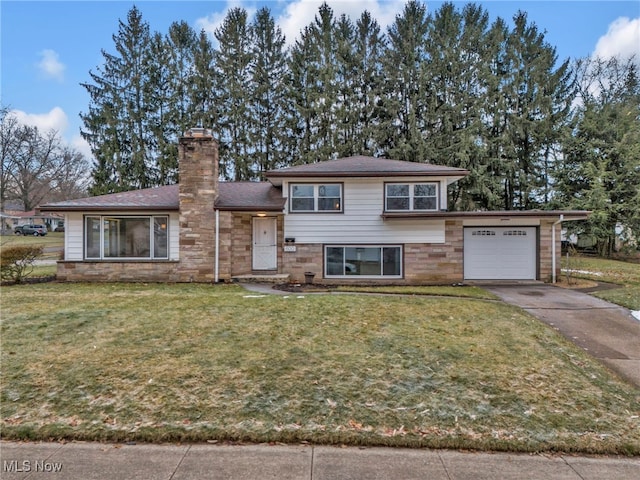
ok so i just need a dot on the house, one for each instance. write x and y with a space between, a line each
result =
357 219
11 219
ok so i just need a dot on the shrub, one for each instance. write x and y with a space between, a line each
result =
16 261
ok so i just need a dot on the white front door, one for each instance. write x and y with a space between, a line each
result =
265 248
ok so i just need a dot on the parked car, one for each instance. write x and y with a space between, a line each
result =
35 230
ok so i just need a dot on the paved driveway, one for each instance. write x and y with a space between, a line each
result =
608 332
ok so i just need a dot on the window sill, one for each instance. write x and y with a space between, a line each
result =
121 260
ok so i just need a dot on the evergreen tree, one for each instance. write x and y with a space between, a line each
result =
600 170
116 125
301 119
323 94
268 99
203 110
528 105
180 45
405 92
233 77
456 82
369 47
158 98
346 122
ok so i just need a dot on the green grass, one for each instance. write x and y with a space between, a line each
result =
52 239
194 362
626 274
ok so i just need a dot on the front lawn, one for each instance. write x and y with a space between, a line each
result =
52 240
626 274
195 362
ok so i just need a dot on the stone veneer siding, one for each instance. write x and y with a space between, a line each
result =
129 271
424 263
545 260
198 163
236 240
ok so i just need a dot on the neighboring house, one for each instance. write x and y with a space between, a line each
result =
357 219
12 219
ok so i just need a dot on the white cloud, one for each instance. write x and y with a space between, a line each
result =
55 119
622 39
212 22
81 145
300 13
50 65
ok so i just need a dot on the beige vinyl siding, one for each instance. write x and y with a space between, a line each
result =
361 222
73 237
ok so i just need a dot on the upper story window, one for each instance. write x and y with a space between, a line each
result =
411 196
307 197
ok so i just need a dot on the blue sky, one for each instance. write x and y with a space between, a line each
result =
48 47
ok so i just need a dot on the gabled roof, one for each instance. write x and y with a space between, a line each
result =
362 166
232 196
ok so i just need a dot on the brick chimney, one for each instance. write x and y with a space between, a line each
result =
198 168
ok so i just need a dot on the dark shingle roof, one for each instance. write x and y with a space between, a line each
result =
249 196
232 196
361 166
159 198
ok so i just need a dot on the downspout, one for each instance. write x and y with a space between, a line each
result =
553 248
216 271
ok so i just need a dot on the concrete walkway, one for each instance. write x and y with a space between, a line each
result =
606 331
95 461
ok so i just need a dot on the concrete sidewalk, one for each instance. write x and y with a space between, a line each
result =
95 461
606 331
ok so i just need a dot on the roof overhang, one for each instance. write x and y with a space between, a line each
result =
565 215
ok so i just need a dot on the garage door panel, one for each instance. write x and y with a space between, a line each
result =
500 253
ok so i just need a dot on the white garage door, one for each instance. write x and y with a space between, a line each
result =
500 253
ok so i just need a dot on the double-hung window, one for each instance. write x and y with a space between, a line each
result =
411 197
307 197
363 261
111 237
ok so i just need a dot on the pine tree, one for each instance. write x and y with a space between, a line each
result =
201 85
116 125
301 119
456 84
527 107
405 90
233 77
324 94
369 47
600 170
269 101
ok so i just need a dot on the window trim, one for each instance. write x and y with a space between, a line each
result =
381 247
103 217
316 196
412 197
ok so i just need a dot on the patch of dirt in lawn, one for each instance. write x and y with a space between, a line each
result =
586 286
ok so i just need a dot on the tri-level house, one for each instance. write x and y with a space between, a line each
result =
357 219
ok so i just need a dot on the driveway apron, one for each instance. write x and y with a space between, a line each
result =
606 331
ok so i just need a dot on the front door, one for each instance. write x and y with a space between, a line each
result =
265 249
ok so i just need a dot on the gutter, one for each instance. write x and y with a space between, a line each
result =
585 215
216 268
